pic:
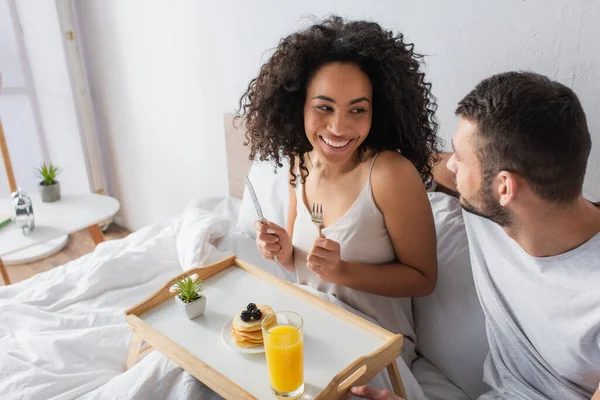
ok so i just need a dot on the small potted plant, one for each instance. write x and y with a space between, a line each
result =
189 295
49 186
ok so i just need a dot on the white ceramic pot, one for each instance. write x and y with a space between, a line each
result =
193 309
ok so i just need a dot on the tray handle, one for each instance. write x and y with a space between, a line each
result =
363 369
163 293
351 380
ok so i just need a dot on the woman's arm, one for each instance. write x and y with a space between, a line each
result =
402 199
400 195
291 219
273 240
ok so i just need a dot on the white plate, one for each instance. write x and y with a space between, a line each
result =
228 339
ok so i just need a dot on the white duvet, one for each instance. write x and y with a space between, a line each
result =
63 333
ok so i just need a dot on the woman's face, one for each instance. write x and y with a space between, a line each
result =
338 111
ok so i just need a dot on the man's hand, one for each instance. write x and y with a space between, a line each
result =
368 392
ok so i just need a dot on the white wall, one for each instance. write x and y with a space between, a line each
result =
44 88
43 43
163 73
158 101
16 111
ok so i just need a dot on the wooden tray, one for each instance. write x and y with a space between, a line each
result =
340 349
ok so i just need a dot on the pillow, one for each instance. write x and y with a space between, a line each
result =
195 239
450 324
271 188
435 385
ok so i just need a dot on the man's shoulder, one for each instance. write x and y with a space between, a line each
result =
485 238
477 224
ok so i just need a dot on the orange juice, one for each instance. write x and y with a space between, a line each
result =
284 347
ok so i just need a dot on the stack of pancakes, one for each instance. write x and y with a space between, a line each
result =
248 333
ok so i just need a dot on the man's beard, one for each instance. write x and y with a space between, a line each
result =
489 207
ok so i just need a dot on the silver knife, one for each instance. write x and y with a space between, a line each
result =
255 200
257 206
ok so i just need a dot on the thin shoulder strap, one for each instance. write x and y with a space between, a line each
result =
298 173
372 163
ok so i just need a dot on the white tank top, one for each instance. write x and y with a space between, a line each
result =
363 238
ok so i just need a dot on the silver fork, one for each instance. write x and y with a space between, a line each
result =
317 216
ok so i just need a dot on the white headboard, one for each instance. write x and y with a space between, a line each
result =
238 164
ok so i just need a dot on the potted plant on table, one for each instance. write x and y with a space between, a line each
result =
49 186
189 295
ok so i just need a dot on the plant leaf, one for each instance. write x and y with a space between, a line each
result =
189 290
48 173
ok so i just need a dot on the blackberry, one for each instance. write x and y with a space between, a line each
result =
251 307
245 316
256 314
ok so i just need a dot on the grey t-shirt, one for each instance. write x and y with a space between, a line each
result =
542 316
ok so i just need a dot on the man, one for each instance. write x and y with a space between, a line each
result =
520 155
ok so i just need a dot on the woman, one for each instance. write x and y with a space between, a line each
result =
347 105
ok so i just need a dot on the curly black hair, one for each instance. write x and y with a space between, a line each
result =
403 107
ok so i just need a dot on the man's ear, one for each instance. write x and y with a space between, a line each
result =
507 187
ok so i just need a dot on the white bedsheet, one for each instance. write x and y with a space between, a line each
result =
63 333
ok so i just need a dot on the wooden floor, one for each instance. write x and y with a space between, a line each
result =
79 243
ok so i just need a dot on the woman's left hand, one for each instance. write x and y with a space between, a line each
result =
324 260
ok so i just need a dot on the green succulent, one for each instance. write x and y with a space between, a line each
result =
48 173
189 289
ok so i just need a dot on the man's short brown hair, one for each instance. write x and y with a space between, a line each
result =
534 127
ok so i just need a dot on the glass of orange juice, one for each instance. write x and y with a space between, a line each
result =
284 348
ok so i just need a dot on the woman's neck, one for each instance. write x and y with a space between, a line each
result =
332 171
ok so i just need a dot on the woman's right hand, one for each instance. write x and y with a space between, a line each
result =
274 241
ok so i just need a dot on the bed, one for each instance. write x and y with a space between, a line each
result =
63 333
